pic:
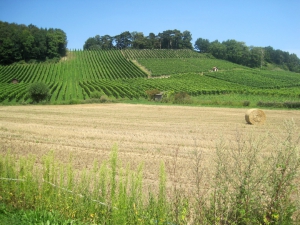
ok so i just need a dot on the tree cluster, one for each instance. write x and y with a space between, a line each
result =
21 42
237 52
169 39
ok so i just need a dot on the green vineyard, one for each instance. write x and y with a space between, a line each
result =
130 73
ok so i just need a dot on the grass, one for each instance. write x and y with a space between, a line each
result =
19 217
251 183
228 100
106 194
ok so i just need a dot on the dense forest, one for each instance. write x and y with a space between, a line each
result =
237 52
19 42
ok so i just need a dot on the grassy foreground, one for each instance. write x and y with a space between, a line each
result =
249 186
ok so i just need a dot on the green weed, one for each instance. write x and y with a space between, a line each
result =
251 183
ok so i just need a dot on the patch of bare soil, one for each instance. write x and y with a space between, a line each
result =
143 133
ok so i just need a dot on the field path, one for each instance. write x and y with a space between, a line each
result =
143 133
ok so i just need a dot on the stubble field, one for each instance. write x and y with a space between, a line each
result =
143 133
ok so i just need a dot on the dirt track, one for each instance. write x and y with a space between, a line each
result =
143 133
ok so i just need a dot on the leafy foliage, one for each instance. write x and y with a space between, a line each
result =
182 98
237 52
151 93
169 39
97 94
38 92
27 43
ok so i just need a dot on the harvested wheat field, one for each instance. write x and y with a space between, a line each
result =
143 133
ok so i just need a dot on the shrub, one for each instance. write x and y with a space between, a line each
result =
168 96
270 104
182 98
251 186
73 101
38 92
104 98
151 94
96 94
246 103
291 105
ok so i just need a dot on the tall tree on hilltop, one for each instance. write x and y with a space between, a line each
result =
27 44
138 40
93 43
56 43
256 57
169 39
123 40
152 41
202 45
39 50
218 50
107 42
237 52
294 63
187 40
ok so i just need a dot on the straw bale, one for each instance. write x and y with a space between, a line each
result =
255 116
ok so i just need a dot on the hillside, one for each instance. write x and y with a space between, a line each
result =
128 74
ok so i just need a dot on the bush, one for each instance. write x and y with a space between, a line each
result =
251 186
38 92
270 104
292 105
168 97
96 94
73 101
104 98
182 98
246 103
151 94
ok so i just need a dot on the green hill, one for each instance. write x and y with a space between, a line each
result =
129 74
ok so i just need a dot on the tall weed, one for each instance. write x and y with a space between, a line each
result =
252 186
251 183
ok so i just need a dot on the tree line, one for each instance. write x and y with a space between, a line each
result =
169 39
238 52
29 43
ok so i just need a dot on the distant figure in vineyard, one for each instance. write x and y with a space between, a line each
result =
214 69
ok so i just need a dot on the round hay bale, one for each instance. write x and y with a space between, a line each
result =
255 116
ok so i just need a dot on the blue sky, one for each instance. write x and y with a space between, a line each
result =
260 23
